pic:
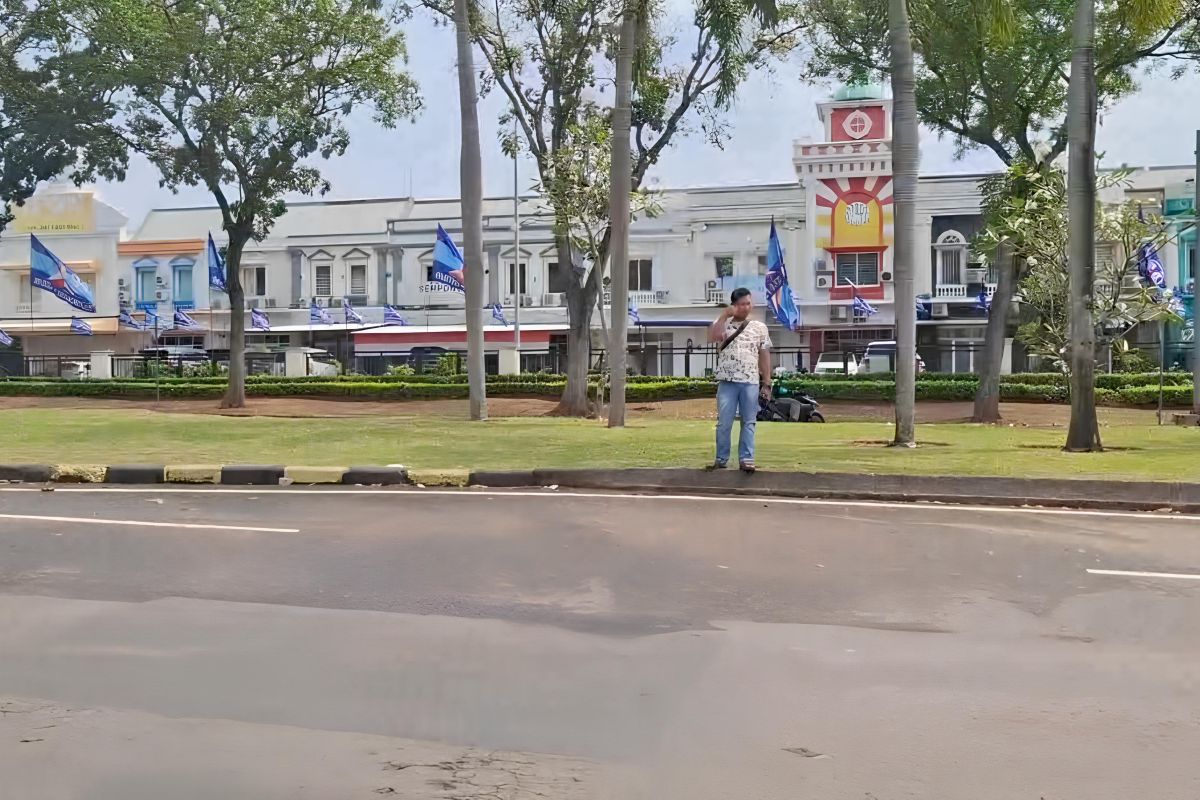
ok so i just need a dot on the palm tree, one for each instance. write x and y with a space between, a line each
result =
471 182
620 182
906 159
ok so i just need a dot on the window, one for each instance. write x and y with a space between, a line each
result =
860 269
557 277
641 275
429 273
324 280
254 281
951 258
762 265
724 266
358 279
27 292
147 283
512 279
183 283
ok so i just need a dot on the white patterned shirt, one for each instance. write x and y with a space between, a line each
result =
738 363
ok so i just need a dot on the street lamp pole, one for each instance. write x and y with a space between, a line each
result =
519 268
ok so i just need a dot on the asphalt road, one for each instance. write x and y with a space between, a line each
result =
319 644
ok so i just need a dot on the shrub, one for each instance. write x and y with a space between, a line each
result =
401 371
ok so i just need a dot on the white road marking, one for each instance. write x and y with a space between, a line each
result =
264 491
144 524
1186 576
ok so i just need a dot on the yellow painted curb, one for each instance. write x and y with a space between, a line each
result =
310 475
193 473
78 473
440 477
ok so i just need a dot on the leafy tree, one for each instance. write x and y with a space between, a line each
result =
471 188
1032 219
44 125
994 75
238 96
552 61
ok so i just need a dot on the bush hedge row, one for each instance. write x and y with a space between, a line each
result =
642 391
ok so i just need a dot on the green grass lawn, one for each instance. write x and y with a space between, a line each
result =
133 436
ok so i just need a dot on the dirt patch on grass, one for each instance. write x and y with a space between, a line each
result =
1018 414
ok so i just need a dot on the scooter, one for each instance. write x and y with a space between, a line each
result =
785 406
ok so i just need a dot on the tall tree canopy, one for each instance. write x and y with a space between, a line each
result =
238 96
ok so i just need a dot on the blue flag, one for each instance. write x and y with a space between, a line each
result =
216 267
448 263
317 315
182 320
1150 267
863 307
498 314
47 271
125 320
151 321
5 339
392 316
635 317
779 294
352 316
80 327
984 302
259 320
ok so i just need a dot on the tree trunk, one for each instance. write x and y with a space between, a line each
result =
618 215
471 182
581 301
1084 431
987 397
906 157
235 393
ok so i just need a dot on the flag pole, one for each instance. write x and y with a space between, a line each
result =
520 268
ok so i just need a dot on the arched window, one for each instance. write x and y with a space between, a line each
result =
952 258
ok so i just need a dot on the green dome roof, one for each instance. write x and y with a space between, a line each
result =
859 91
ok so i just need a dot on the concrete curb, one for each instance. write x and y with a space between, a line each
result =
1093 494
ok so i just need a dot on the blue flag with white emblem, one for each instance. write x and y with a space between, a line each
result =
80 327
635 316
151 321
317 315
1150 267
983 301
259 320
392 316
924 307
5 339
48 272
498 314
448 263
216 267
352 316
182 320
863 308
126 320
780 299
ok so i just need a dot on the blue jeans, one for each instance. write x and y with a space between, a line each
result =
735 398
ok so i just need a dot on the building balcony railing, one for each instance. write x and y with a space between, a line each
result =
958 291
657 297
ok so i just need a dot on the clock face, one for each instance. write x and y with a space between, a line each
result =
857 125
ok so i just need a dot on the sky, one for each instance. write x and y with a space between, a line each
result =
1154 127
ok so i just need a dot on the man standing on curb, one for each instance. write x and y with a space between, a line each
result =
743 375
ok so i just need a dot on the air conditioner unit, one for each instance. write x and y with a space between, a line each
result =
661 295
526 301
710 285
839 313
321 302
122 283
886 276
974 274
159 280
161 295
253 302
825 280
820 265
122 297
301 302
940 310
270 302
554 300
